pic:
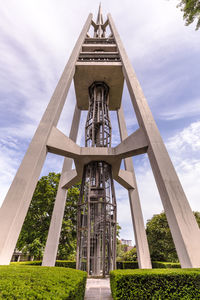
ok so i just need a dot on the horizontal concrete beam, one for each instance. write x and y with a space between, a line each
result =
70 178
134 144
125 178
59 143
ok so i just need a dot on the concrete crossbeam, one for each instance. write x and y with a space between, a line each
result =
134 144
70 178
59 143
125 178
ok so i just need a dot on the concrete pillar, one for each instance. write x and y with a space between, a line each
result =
183 226
144 260
17 201
51 248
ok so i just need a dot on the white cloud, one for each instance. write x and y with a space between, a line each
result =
186 140
187 109
184 149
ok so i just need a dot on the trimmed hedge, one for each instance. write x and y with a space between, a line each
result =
123 265
165 265
66 264
27 263
155 284
59 263
130 265
27 282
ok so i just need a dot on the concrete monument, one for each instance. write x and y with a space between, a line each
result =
98 65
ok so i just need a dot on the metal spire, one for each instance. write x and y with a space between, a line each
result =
99 16
99 31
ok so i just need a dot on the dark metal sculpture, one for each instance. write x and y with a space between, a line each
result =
96 227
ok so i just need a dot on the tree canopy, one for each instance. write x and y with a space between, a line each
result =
34 232
130 255
191 11
160 240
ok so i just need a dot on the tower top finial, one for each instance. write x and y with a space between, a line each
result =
99 16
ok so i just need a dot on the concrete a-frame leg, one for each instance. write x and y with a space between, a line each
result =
144 260
183 226
51 248
17 201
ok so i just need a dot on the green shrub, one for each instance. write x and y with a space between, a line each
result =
130 265
119 264
165 265
155 265
27 263
66 264
28 282
155 284
59 263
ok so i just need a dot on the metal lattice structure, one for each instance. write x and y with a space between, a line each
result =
96 227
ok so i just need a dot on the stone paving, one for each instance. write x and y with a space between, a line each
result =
98 289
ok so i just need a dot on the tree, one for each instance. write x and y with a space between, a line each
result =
160 240
67 244
130 255
191 11
34 232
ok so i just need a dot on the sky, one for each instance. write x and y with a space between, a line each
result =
36 40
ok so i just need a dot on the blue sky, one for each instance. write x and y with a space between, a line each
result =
36 39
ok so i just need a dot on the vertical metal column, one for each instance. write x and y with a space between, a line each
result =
96 230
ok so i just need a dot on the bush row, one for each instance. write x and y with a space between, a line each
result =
123 265
28 282
165 265
155 284
59 263
155 264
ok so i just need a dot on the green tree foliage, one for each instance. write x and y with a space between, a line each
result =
120 250
130 255
160 239
67 245
34 232
120 247
191 11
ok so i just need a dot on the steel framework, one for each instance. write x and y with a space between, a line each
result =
96 226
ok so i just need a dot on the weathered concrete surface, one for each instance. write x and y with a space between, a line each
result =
135 144
51 248
183 226
144 260
109 72
132 145
17 201
60 144
98 289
